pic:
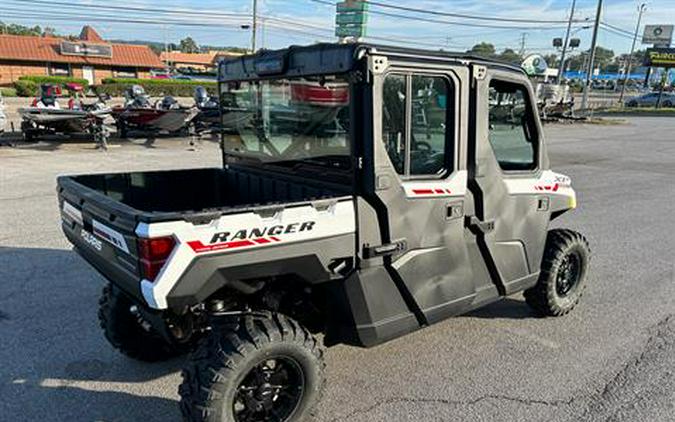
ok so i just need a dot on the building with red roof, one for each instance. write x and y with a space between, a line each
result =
199 62
88 57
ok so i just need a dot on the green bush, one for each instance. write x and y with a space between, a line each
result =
61 80
154 87
147 82
8 92
26 88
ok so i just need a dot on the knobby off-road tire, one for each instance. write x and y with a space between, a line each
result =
562 280
128 333
259 363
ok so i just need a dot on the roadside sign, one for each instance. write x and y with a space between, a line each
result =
660 57
351 31
351 19
534 64
658 34
357 18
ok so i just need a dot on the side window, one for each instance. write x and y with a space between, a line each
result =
394 119
415 126
512 128
429 125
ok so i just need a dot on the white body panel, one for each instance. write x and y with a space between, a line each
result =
284 227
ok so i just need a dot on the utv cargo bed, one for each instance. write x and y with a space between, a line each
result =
114 206
193 193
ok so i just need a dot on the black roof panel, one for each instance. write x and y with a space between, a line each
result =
332 58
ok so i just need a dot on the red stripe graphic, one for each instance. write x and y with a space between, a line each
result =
434 191
199 247
553 187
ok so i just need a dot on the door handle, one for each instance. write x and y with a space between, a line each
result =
484 227
454 210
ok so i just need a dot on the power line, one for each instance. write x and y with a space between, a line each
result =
615 32
604 23
464 16
444 22
134 9
65 16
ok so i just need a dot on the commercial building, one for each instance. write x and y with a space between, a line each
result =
87 56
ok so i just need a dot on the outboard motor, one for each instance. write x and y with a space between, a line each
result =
201 97
48 94
136 97
168 103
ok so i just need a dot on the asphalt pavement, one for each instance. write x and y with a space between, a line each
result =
612 358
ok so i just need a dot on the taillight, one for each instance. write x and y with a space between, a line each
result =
153 253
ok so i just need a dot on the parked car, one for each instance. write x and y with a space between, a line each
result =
650 100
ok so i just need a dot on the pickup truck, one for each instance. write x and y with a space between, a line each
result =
366 192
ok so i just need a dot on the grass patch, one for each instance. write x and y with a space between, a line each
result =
8 92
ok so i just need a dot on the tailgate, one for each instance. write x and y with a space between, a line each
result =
102 231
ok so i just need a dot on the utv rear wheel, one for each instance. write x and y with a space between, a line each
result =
127 332
266 368
563 274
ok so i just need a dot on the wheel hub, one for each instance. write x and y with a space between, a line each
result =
568 275
272 390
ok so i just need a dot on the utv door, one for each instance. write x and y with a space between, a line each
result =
421 179
506 160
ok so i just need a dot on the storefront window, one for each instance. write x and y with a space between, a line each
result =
125 72
59 69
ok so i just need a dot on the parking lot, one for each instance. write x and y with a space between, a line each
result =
612 358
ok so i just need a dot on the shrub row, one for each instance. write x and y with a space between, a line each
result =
28 86
62 80
146 82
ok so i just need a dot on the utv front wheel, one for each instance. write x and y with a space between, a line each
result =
563 274
127 332
263 368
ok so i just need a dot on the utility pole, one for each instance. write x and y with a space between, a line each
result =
591 60
254 25
561 70
641 10
523 37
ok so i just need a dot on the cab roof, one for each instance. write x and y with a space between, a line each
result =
332 58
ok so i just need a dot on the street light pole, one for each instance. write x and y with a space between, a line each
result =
254 25
641 10
591 60
567 40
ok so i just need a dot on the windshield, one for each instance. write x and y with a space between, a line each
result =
288 121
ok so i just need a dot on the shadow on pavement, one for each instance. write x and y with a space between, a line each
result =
74 403
507 308
56 363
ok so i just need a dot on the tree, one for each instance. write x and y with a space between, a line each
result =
510 56
188 45
552 60
484 49
16 29
603 58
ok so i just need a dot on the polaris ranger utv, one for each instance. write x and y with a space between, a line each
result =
366 192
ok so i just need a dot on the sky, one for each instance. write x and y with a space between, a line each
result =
285 22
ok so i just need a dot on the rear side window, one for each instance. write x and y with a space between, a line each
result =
512 126
416 124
